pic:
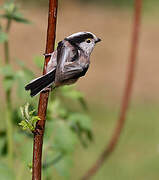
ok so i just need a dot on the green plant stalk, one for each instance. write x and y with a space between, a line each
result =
6 52
6 44
9 136
9 125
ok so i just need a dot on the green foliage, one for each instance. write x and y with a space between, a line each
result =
66 127
11 77
8 77
29 120
22 76
11 13
68 123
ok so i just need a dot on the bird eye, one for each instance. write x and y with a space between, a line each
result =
88 40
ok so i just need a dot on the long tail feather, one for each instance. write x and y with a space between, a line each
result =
39 84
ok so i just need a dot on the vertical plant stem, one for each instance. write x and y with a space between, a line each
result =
9 125
43 100
9 136
6 51
6 44
126 98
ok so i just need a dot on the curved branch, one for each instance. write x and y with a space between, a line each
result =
126 98
43 100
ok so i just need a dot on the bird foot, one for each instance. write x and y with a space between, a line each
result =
46 55
48 89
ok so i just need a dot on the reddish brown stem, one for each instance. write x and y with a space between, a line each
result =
126 98
43 100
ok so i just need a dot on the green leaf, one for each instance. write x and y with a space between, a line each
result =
31 112
73 94
83 120
11 13
64 138
81 124
70 92
29 121
9 7
3 37
22 78
33 121
22 111
9 77
8 83
26 111
24 125
7 71
18 17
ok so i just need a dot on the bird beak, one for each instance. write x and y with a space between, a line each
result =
97 40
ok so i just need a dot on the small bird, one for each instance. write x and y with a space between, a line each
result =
67 64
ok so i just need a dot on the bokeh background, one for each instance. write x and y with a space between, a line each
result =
137 154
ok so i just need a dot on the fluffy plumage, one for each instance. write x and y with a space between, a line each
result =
67 64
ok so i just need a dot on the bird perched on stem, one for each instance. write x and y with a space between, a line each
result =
67 64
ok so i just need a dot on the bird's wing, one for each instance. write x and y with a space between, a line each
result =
66 69
52 62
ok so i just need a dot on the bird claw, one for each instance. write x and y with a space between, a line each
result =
46 55
48 88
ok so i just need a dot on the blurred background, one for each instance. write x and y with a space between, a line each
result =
137 154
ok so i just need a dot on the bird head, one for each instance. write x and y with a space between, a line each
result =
84 41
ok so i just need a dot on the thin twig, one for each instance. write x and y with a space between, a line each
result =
126 98
43 100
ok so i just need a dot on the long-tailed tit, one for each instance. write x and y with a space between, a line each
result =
67 64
